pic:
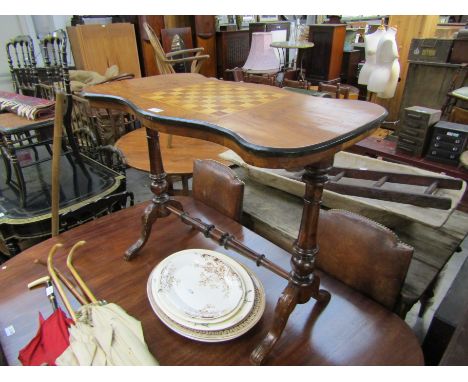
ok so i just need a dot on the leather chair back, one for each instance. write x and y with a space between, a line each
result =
217 186
363 254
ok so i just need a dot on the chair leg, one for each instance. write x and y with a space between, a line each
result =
7 168
30 140
49 150
21 183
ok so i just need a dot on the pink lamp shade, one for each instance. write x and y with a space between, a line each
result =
262 57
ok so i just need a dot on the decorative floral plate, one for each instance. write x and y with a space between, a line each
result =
200 286
231 331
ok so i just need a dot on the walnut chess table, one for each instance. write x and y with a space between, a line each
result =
268 127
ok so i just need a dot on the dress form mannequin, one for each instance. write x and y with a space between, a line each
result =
389 91
384 77
371 42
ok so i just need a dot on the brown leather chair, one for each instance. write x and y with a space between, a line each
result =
217 186
363 254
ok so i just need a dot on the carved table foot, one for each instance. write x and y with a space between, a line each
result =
152 212
286 304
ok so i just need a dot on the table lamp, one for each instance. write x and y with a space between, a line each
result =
262 57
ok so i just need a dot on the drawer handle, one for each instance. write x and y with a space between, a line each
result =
413 133
415 116
405 149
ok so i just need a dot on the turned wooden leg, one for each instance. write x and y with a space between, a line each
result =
161 199
303 284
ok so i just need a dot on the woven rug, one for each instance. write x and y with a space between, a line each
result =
25 106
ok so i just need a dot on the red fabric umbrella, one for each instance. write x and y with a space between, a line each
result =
51 340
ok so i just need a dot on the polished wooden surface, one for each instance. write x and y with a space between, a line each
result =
178 158
11 123
352 330
275 128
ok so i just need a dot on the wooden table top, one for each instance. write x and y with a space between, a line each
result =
292 44
351 330
11 123
178 159
267 126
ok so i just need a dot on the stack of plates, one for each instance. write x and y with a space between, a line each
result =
205 295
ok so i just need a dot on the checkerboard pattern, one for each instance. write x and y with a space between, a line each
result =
215 98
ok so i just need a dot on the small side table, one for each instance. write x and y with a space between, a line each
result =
282 46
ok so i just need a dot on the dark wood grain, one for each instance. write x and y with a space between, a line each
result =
352 330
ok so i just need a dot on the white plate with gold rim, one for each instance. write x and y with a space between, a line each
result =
200 286
229 333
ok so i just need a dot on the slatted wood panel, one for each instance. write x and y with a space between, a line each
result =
97 47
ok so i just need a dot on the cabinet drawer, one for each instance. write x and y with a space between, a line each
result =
413 133
456 139
446 146
409 140
416 122
443 154
409 149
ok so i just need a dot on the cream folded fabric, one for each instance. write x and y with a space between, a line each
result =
105 335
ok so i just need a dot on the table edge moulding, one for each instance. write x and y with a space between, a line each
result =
283 130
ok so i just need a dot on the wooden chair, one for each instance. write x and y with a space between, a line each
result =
22 64
364 255
217 186
458 115
32 134
88 132
54 54
260 79
166 61
336 90
295 84
236 75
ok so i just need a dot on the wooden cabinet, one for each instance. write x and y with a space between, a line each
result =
323 61
349 67
97 47
232 50
269 27
205 34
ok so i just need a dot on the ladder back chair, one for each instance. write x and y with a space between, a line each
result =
22 64
54 53
21 134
